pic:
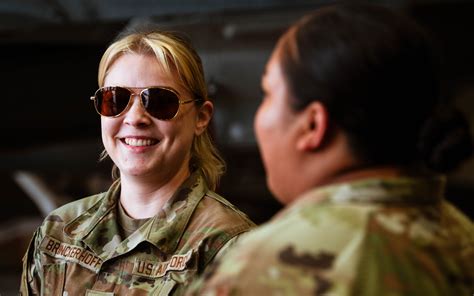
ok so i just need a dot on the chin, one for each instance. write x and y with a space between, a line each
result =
277 192
282 199
136 171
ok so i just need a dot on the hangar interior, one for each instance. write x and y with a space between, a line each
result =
50 50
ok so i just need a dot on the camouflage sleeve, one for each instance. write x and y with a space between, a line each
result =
225 248
201 285
30 277
197 284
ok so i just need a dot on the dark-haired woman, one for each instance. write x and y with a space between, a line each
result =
353 140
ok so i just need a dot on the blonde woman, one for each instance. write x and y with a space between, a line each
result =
160 224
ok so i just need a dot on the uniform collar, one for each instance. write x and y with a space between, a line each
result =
163 230
415 190
81 227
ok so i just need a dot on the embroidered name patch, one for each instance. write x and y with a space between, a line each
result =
72 253
158 269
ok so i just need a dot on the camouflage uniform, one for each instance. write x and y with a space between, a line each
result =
392 236
78 250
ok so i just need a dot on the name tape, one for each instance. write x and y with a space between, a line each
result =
79 255
158 269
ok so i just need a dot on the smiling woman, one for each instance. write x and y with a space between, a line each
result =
160 224
144 148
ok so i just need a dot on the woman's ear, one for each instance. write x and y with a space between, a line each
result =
204 114
314 127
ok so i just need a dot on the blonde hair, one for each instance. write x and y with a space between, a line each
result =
177 57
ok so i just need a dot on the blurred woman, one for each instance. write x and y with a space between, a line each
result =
160 224
351 135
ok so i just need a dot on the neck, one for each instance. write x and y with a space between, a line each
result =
143 198
358 173
333 164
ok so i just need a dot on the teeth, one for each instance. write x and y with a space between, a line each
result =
139 142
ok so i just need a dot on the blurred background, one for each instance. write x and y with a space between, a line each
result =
49 54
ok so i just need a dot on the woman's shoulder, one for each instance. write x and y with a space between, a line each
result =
214 209
337 243
70 211
77 207
292 250
310 228
214 222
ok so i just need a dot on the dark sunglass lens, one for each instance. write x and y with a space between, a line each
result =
111 101
160 103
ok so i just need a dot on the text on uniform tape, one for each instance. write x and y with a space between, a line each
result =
158 269
72 253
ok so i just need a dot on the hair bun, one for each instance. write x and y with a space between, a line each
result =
445 140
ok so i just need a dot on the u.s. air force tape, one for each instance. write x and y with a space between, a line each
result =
72 253
158 269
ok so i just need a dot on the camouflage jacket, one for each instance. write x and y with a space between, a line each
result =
78 249
371 237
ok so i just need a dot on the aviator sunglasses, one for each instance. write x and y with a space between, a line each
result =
160 102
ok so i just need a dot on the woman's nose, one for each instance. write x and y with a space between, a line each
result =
136 114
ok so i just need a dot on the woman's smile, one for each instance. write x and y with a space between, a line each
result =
139 144
139 141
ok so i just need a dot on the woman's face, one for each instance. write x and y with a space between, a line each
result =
274 128
139 144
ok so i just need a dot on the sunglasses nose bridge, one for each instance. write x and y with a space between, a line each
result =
132 101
